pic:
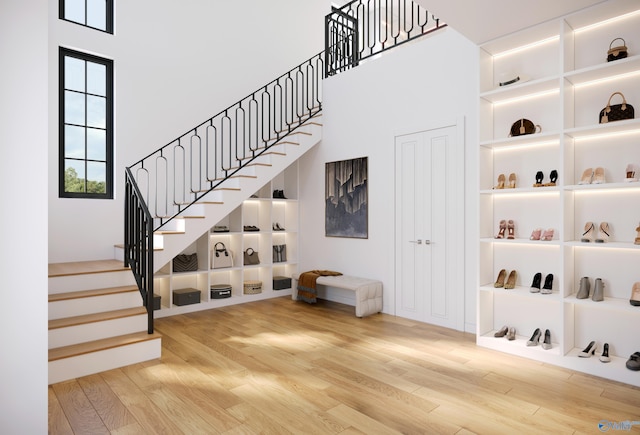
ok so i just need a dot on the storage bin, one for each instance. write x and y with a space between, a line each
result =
252 287
220 291
156 301
281 282
186 296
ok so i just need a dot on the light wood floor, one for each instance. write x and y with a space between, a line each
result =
281 367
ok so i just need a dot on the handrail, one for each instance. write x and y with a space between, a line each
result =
138 242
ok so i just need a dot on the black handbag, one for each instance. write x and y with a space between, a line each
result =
616 112
524 126
251 257
185 263
617 52
279 253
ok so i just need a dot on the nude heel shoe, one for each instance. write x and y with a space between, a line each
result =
502 275
587 235
604 232
511 280
598 176
512 180
511 230
587 176
502 229
501 181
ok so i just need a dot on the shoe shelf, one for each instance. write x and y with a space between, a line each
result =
261 211
566 82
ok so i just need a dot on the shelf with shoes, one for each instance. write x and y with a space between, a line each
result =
563 82
252 225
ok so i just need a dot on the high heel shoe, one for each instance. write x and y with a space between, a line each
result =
588 351
604 232
630 173
587 176
501 180
501 332
605 354
547 288
635 295
587 235
598 176
547 235
535 338
511 230
502 275
546 344
277 227
535 284
598 291
511 334
502 229
637 240
512 181
585 287
539 178
535 234
511 281
553 176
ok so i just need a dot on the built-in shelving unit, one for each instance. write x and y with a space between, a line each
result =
569 82
263 211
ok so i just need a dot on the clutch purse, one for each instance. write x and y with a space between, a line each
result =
251 257
616 112
617 52
524 126
185 263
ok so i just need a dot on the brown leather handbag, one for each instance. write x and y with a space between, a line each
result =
524 126
616 112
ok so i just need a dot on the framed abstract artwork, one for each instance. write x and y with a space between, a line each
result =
346 199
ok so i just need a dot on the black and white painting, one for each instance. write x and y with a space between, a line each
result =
346 198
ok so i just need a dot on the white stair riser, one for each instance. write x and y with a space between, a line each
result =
95 304
96 331
71 283
96 362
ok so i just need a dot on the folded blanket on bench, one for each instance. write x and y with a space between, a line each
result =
307 284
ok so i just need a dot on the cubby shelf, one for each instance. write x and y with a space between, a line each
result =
261 210
569 82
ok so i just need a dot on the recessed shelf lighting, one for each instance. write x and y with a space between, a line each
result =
606 22
526 47
607 79
527 97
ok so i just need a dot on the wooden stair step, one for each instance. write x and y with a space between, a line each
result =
98 345
96 317
85 267
121 245
91 293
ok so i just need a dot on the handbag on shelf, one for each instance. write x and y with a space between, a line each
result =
616 112
524 126
185 262
279 253
221 257
251 257
617 52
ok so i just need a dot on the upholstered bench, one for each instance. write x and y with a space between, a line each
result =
368 291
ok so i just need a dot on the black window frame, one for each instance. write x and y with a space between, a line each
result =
109 134
109 16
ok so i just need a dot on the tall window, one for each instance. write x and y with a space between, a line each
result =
86 126
97 14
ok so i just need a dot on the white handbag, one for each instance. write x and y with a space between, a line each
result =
221 257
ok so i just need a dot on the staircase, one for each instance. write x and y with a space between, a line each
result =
96 320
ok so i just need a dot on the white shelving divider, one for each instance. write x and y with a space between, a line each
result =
261 211
568 82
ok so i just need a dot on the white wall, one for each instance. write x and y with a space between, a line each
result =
23 177
176 64
409 87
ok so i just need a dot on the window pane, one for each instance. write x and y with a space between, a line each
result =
96 79
74 142
74 73
74 176
96 144
73 108
74 10
96 111
97 14
96 176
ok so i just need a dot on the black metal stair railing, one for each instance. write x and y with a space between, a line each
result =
364 28
171 179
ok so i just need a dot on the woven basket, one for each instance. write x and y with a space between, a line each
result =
252 287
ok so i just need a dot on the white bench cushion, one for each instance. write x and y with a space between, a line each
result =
368 291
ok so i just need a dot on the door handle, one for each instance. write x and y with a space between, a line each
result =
427 242
419 241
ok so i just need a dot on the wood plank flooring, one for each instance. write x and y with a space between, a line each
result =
285 367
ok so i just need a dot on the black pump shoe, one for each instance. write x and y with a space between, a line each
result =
535 285
548 284
588 351
605 354
546 344
539 178
553 176
535 338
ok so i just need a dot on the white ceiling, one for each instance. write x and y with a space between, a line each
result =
484 20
